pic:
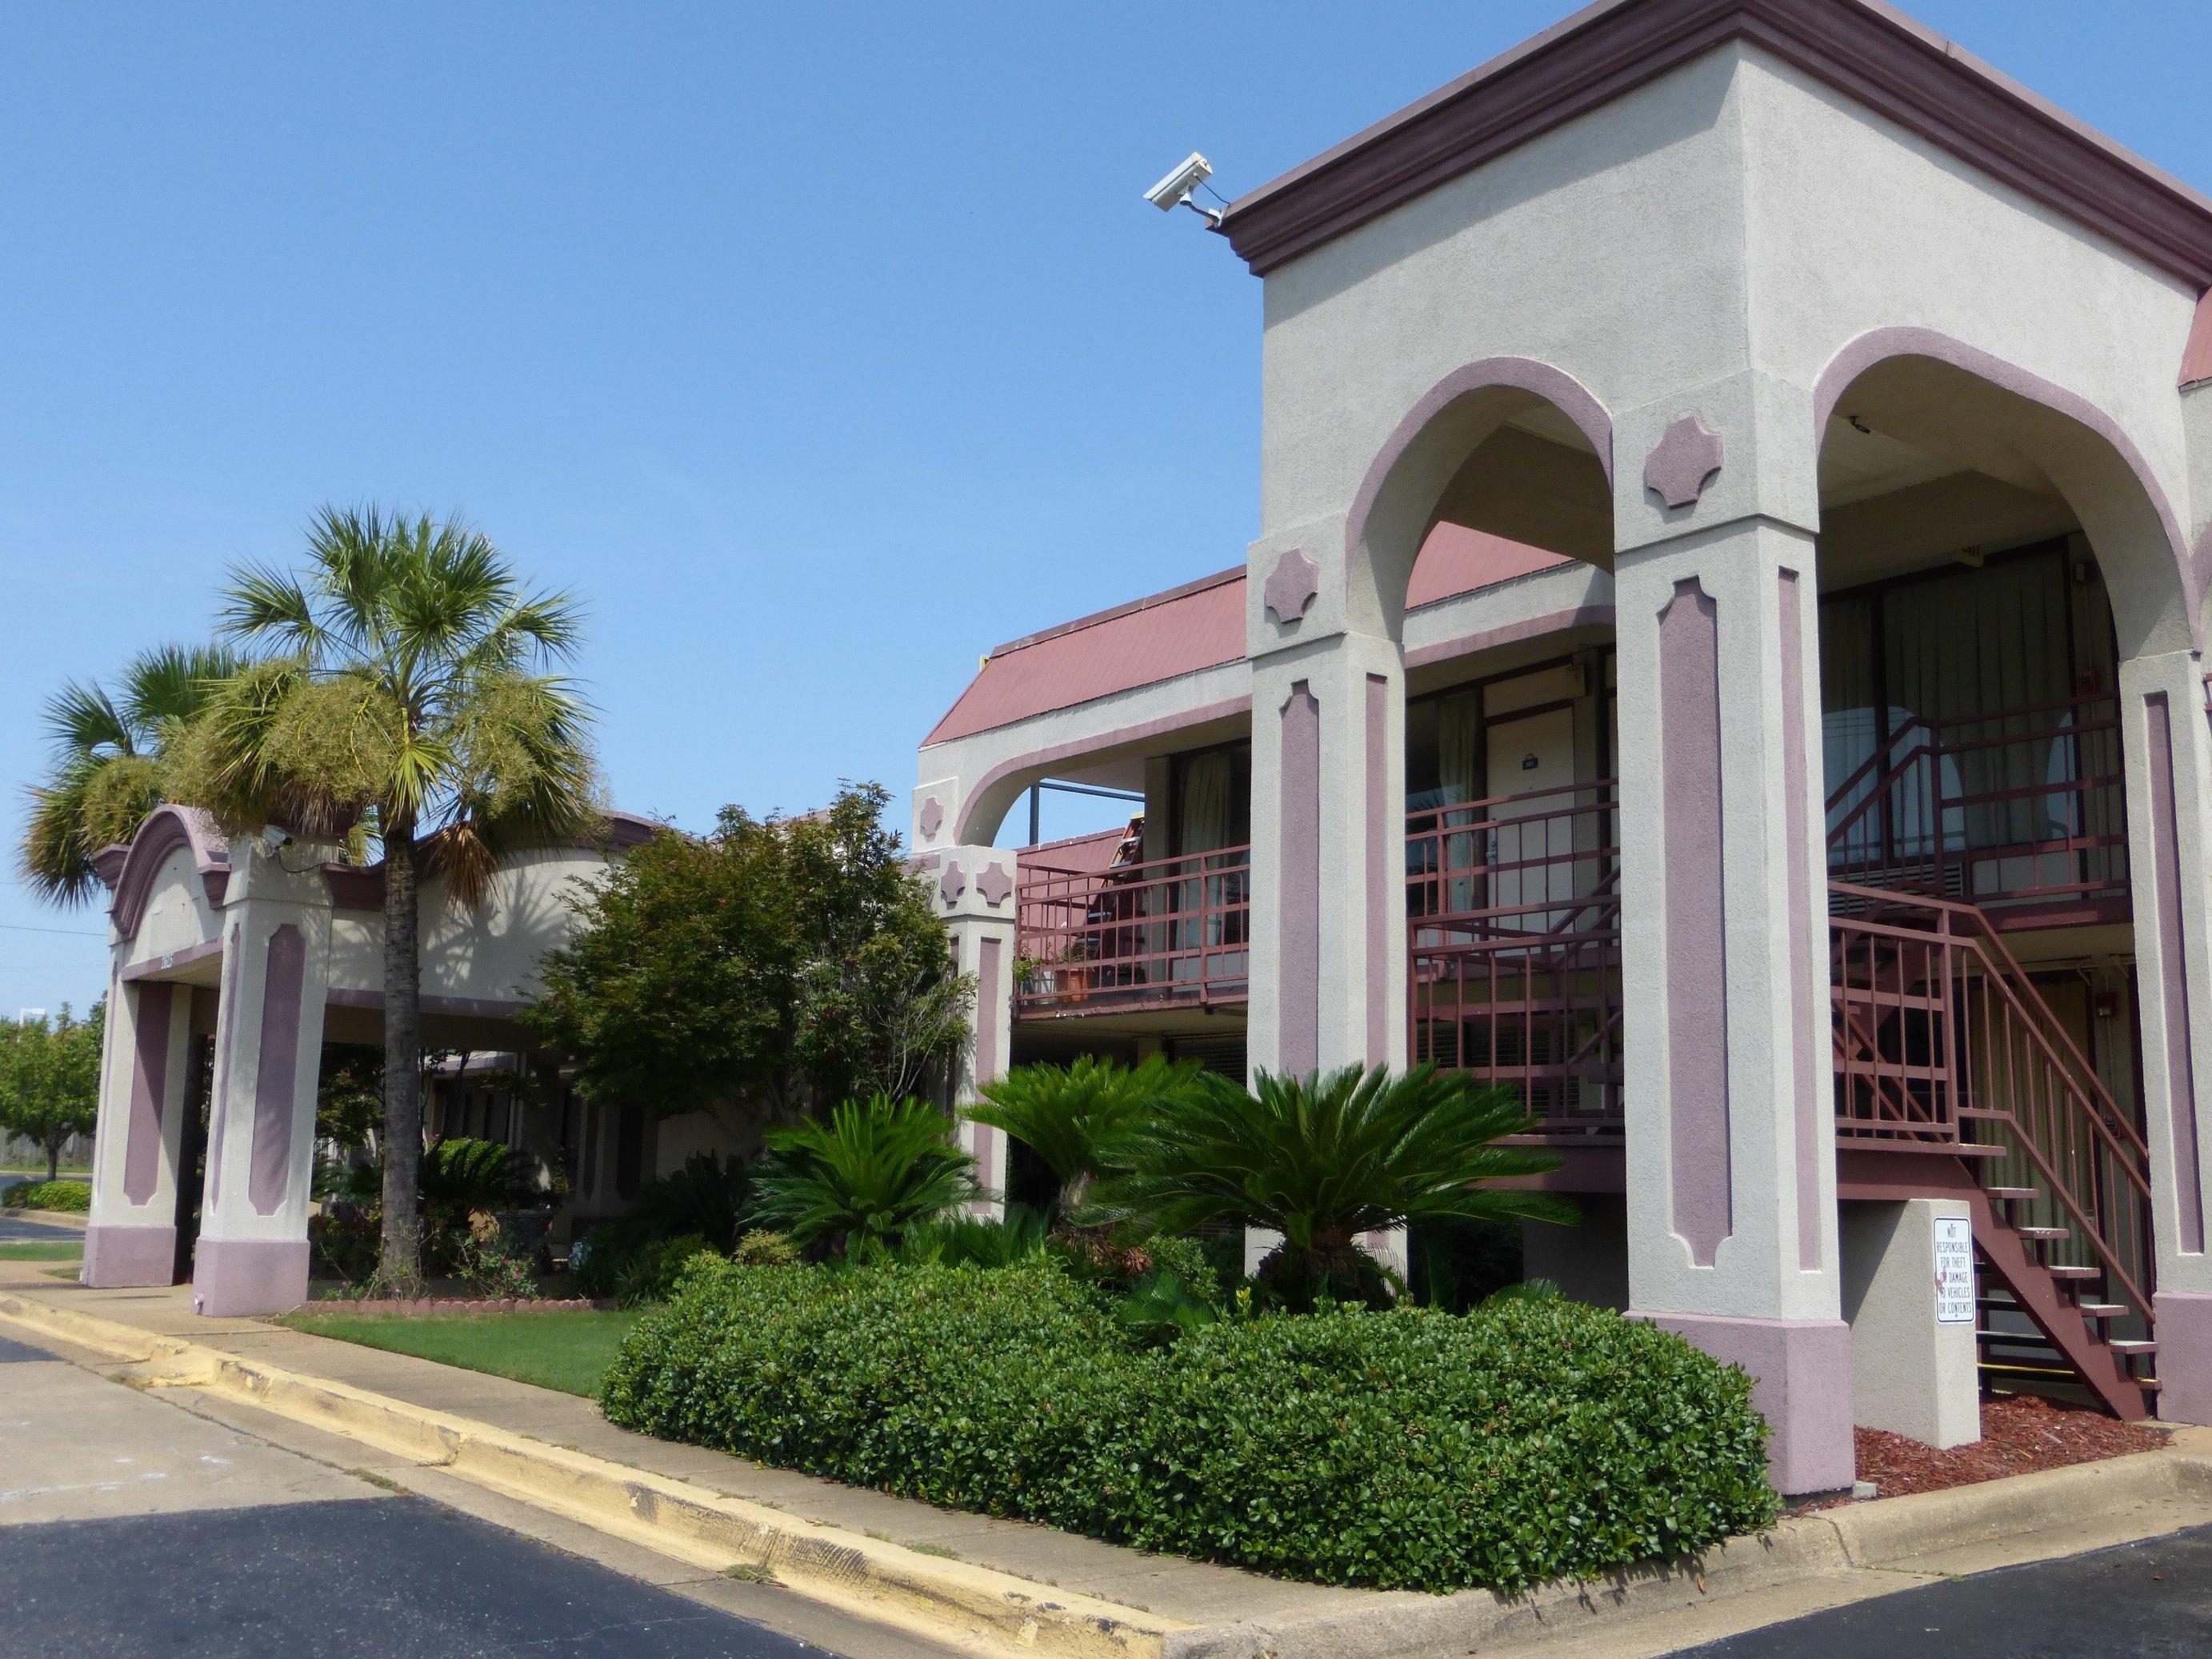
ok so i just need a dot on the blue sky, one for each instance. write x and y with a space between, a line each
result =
817 349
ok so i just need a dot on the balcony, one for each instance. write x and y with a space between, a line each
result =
1168 933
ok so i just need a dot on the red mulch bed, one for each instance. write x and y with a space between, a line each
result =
2021 1433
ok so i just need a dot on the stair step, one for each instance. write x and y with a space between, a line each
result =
2134 1347
2012 1195
2103 1309
2068 1270
2044 1233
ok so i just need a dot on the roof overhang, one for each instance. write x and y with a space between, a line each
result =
1867 50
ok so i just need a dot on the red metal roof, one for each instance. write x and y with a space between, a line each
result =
1091 855
1456 560
1197 625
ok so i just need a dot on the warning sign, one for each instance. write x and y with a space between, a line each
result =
1955 1270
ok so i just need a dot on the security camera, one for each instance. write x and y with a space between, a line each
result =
1172 192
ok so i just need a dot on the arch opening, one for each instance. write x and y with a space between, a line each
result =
1504 469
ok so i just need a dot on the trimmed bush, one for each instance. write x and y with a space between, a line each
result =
51 1195
1403 1450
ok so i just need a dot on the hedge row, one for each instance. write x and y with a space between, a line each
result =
1408 1450
51 1195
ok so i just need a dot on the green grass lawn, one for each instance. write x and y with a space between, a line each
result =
570 1351
41 1249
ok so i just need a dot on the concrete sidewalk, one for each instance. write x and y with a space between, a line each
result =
1182 1609
1190 1592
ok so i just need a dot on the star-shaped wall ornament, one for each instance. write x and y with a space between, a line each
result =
952 884
929 817
1292 588
994 885
1683 462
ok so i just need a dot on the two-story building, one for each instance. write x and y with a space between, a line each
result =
1723 657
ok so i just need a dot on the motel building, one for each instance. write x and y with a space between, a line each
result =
1722 658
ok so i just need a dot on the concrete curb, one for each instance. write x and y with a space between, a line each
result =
989 1611
980 1608
53 1217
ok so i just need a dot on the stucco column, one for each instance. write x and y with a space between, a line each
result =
252 1256
144 1077
1328 857
1914 1368
1328 833
973 888
2169 749
1730 1136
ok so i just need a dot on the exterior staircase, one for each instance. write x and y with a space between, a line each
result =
1944 1044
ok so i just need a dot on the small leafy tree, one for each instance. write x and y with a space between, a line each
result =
766 970
859 1182
109 765
1065 1113
50 1079
1322 1159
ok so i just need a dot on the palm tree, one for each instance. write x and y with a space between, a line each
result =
405 697
1322 1159
1063 1113
859 1182
107 772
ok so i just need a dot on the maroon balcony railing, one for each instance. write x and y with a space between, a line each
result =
1166 933
2018 810
1513 973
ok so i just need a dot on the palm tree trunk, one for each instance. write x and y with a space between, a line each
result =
400 1261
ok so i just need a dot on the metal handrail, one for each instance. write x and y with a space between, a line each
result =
1163 930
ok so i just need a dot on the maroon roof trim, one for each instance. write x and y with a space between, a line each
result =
1866 50
1234 574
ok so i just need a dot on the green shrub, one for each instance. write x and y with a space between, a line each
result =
968 1241
51 1195
613 1263
1409 1449
763 1249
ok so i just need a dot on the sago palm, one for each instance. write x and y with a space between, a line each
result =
859 1181
107 765
1064 1113
1322 1159
403 692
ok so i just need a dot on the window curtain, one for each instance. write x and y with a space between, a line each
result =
1990 639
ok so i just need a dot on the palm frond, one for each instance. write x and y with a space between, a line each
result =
168 686
268 607
83 719
1325 1158
55 854
859 1182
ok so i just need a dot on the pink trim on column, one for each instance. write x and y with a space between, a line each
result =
1809 1050
1696 910
2185 1357
119 1256
234 1278
149 1090
2173 975
1554 386
987 1009
276 1068
1297 1050
2196 355
1382 867
226 1066
1800 1377
1879 345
